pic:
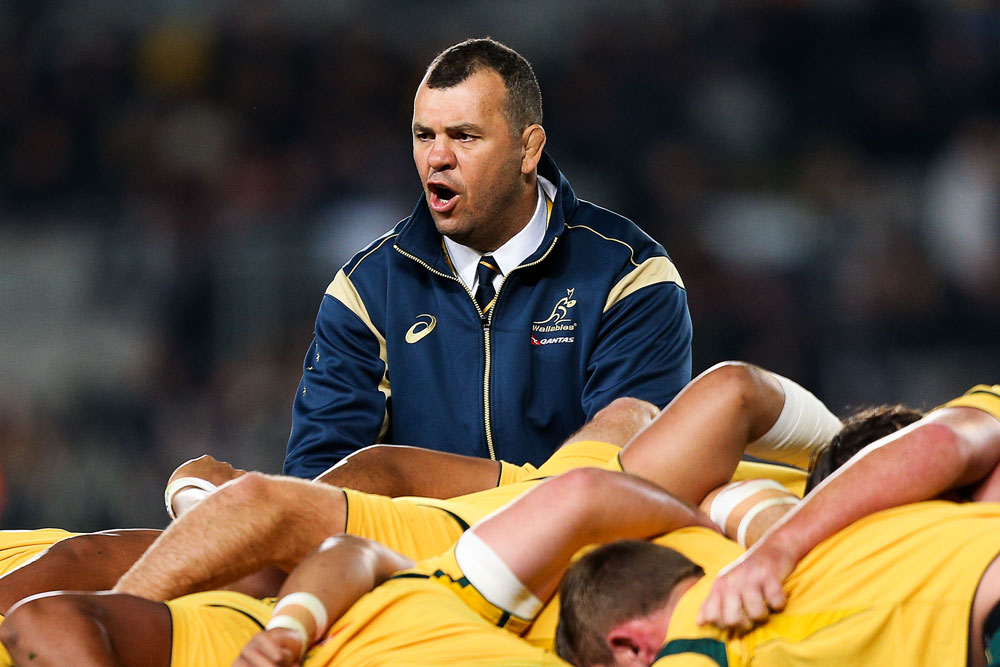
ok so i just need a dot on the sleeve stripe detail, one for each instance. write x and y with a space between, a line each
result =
343 290
982 397
608 238
654 270
365 256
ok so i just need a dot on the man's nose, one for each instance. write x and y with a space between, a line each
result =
441 156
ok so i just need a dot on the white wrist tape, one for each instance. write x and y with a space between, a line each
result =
493 578
726 501
804 424
293 624
741 532
183 483
311 604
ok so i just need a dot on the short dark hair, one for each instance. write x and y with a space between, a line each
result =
523 104
859 430
613 584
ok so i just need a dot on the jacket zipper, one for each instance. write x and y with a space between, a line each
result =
486 343
485 320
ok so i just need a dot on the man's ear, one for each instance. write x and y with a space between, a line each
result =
532 143
630 644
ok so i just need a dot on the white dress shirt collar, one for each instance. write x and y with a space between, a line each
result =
508 256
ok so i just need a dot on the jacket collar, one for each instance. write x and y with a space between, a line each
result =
420 238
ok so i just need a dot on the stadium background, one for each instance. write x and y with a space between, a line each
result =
180 180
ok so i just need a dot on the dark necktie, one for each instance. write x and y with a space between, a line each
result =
485 293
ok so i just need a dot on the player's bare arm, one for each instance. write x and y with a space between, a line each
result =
260 520
88 562
537 535
398 470
253 522
311 600
950 448
725 411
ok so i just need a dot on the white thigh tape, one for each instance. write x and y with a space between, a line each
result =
726 501
293 624
741 532
311 604
804 425
493 579
184 483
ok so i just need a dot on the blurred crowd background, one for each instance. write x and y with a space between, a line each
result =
179 182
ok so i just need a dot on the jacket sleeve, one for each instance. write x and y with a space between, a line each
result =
644 348
342 401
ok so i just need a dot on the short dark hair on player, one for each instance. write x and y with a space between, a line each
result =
523 104
859 430
613 584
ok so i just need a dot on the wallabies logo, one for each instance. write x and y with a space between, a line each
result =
560 313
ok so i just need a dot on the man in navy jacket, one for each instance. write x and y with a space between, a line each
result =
503 312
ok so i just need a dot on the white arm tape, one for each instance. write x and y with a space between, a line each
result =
804 424
311 604
726 501
741 532
183 483
493 578
293 624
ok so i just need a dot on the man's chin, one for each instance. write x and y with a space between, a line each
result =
451 227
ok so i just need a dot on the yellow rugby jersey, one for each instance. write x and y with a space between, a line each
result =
793 479
17 547
895 588
472 507
426 617
425 527
982 397
511 473
211 628
703 546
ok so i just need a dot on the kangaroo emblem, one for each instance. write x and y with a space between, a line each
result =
560 313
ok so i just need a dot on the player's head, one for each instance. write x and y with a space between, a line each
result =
613 586
859 430
477 140
523 99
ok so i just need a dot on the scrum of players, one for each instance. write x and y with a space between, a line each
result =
707 558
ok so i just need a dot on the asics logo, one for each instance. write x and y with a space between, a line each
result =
421 328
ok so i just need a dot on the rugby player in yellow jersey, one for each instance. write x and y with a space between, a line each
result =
897 584
913 585
954 448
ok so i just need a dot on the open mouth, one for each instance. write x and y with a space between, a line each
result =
440 197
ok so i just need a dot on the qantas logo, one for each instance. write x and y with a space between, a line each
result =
421 328
549 341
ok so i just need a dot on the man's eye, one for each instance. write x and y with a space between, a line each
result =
465 137
422 136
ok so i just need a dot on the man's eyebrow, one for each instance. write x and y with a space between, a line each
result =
467 128
464 128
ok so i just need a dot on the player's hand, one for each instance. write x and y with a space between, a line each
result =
278 647
207 468
748 590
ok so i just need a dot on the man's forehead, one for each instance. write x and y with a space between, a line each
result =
481 95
